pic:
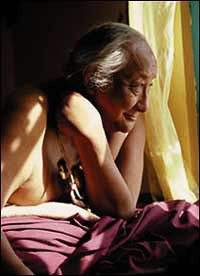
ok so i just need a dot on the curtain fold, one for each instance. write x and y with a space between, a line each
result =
172 145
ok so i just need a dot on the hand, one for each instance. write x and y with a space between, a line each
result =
79 117
48 209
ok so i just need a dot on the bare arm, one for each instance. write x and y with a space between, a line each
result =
111 190
22 136
106 187
48 209
112 185
11 261
130 159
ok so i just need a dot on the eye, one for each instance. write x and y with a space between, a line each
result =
135 89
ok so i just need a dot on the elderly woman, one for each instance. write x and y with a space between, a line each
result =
81 137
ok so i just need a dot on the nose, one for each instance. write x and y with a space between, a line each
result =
143 104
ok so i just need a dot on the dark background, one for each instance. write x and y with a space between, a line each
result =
36 36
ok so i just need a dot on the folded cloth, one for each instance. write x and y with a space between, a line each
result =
158 235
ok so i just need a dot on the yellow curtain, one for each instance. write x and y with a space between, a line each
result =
171 154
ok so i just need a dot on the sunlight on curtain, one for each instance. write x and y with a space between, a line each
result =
172 144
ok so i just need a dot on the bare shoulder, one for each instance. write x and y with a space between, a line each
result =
25 96
25 105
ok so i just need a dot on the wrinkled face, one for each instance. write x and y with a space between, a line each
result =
121 105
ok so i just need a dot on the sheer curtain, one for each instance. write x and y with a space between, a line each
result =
171 155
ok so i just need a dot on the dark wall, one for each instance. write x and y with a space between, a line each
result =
37 36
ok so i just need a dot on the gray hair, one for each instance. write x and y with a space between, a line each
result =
106 48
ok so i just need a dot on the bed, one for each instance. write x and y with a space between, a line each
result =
63 239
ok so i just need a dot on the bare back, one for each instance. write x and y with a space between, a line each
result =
24 138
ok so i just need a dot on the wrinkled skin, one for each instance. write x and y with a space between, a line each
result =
120 105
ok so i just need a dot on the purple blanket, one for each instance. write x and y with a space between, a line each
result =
159 235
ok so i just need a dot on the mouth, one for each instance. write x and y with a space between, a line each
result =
130 116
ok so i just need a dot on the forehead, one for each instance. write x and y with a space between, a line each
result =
141 63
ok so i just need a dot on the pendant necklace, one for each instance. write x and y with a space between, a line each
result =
67 179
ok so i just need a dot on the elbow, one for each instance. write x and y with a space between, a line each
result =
121 209
126 208
125 212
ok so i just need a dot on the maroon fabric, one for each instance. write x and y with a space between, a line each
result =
158 235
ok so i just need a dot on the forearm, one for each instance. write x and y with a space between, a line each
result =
130 159
11 261
106 188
